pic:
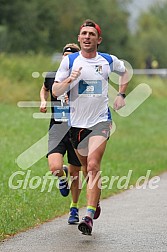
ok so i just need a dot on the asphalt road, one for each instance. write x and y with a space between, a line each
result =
135 220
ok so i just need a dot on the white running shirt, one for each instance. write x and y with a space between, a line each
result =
88 98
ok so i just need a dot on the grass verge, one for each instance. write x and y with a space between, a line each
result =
138 144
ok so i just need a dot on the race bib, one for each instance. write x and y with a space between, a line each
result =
90 88
61 113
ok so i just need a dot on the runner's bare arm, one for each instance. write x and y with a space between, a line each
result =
44 94
123 83
60 87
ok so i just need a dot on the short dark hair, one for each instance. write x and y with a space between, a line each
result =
91 23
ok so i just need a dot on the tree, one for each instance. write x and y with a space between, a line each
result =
151 37
39 25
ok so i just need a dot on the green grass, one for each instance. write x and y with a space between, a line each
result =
138 144
16 75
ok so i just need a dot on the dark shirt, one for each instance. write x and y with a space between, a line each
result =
48 83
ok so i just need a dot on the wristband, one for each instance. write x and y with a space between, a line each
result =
121 94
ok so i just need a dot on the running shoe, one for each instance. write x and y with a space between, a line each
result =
98 211
73 218
63 184
85 226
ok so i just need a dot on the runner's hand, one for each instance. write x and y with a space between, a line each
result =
75 74
43 108
119 103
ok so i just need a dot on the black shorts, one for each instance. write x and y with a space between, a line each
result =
80 136
59 142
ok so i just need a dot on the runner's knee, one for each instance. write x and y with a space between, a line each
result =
55 167
93 166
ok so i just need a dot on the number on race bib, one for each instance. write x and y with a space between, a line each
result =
90 89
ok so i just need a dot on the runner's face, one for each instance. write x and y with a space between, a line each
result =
89 39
